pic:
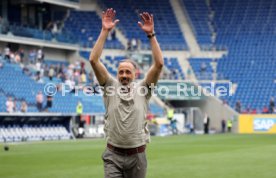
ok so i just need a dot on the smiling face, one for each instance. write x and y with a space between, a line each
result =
126 73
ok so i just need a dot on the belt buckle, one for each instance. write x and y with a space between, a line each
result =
137 149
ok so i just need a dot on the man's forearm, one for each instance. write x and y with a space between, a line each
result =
156 53
98 47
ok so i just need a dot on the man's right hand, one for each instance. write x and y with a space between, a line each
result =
108 22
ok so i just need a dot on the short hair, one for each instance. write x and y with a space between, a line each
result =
129 61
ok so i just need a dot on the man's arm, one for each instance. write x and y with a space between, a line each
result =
98 67
156 68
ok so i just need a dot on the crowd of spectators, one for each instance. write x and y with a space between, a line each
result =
11 106
270 109
33 64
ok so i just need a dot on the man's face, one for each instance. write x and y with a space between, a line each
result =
126 73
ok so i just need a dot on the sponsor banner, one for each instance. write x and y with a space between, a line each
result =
257 123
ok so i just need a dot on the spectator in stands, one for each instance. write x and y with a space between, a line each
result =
124 107
49 26
22 54
82 65
83 78
76 76
24 106
17 57
63 77
26 71
49 102
12 57
247 111
10 105
54 29
133 44
265 110
51 72
70 70
40 55
238 106
150 116
203 68
7 53
189 74
129 45
91 77
14 105
39 101
71 84
254 111
271 105
38 66
32 56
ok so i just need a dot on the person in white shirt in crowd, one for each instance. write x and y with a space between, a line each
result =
39 101
70 84
10 105
51 72
40 55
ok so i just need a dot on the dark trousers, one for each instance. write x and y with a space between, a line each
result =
39 106
206 128
117 165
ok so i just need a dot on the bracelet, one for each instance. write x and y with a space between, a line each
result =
151 35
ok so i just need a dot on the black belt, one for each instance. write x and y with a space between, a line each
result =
127 151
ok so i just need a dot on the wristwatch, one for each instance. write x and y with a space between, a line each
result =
151 35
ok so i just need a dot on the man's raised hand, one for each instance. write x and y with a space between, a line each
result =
148 25
108 21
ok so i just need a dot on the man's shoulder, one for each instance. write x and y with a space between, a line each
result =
110 81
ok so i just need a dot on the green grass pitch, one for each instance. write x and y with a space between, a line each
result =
189 156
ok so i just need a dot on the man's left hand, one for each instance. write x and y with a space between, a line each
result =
148 25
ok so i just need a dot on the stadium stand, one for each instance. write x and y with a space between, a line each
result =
202 68
250 39
172 64
92 102
174 67
199 19
29 88
245 28
86 30
166 25
31 31
18 30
